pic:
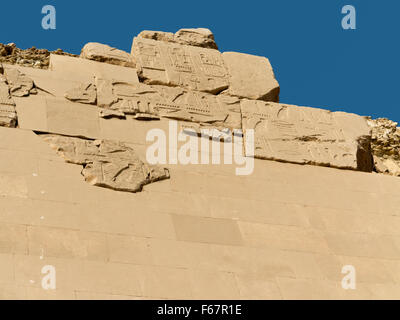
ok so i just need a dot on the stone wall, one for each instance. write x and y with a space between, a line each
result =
77 193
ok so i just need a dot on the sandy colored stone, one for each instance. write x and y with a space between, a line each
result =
199 37
251 77
107 164
104 53
65 68
174 64
19 84
84 93
8 116
151 102
157 35
308 135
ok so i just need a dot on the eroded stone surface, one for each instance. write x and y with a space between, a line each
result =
251 77
385 144
104 53
20 85
107 164
308 135
85 93
146 102
8 115
173 64
199 37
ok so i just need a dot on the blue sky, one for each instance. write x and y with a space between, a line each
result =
316 62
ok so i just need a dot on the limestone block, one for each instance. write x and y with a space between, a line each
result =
199 37
173 64
64 243
32 113
251 77
207 230
104 53
64 117
83 70
107 164
308 135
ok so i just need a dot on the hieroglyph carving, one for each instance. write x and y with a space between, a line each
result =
173 64
146 102
308 135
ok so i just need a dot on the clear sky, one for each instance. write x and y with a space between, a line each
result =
316 62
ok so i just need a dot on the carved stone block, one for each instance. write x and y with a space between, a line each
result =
251 77
146 102
173 64
308 135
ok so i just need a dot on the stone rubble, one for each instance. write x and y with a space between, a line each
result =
32 57
385 144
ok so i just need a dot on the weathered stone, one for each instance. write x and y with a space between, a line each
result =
85 93
107 164
5 97
198 37
19 84
251 77
32 57
308 135
157 35
104 53
106 114
146 102
8 115
385 144
173 64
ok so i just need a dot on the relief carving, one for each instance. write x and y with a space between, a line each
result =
308 135
107 164
173 64
146 102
